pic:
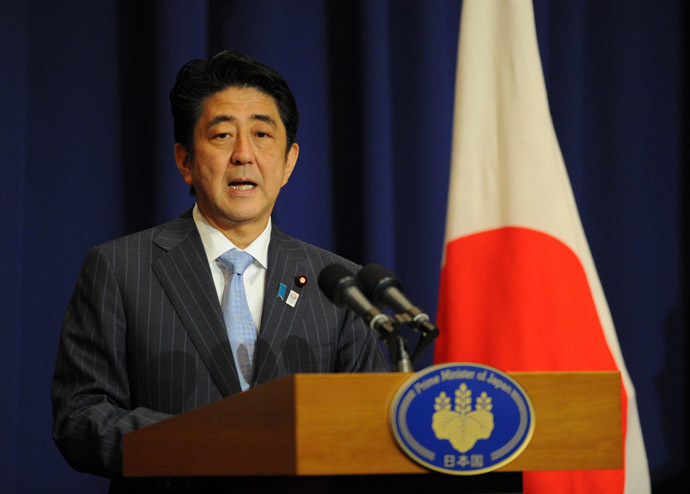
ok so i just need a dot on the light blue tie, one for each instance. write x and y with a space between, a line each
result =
238 319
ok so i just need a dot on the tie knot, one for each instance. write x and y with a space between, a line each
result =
236 261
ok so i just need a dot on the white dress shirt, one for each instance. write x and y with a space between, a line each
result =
254 277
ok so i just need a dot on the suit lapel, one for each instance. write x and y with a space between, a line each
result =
286 260
185 276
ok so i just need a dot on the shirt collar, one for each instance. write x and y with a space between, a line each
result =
216 244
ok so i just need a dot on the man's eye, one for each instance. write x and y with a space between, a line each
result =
222 135
263 135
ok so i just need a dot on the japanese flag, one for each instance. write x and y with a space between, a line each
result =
519 289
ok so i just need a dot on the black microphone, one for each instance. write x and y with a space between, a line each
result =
343 289
385 290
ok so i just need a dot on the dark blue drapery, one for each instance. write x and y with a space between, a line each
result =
86 143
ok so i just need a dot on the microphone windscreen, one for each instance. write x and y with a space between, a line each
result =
333 279
375 279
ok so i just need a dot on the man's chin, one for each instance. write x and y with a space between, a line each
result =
237 220
233 215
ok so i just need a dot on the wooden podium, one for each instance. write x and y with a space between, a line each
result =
337 424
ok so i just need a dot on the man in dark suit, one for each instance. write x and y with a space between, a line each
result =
144 336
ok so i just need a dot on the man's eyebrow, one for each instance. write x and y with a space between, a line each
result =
265 118
220 118
229 118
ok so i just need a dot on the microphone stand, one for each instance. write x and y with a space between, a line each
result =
397 351
397 345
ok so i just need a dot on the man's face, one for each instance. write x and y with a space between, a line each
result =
240 162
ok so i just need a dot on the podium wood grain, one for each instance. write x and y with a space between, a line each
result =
337 424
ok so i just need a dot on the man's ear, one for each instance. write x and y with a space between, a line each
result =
290 162
184 164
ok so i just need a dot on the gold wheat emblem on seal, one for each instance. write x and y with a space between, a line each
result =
459 424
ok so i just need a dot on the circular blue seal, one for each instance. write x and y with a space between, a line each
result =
462 418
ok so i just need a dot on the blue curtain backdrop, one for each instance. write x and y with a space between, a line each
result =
86 141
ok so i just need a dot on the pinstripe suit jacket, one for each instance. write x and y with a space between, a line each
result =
143 337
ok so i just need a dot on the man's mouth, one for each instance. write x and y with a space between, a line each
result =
242 185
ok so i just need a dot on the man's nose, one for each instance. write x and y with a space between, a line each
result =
241 151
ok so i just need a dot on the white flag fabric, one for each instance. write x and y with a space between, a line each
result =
519 289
